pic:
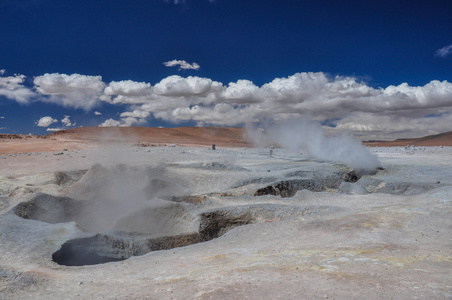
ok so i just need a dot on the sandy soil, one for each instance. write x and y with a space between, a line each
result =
95 137
305 232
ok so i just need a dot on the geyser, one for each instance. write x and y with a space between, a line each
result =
306 135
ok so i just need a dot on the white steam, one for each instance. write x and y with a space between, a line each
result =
306 135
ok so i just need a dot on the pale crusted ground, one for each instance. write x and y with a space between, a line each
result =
388 236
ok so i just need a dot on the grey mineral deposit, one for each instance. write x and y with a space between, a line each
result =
193 223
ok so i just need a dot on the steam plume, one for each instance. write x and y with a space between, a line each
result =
307 135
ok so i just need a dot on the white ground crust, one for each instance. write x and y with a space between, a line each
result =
388 236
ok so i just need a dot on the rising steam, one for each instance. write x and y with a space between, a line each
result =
306 135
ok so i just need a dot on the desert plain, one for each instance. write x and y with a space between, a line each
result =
159 214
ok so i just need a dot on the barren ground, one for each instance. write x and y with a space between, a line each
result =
97 137
243 223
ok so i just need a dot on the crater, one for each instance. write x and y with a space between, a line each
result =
120 245
103 215
103 248
49 209
288 188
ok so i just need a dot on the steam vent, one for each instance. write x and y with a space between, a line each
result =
230 223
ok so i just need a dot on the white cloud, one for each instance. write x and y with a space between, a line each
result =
77 91
127 88
242 91
129 121
445 51
67 121
223 114
183 65
2 117
127 91
54 129
342 101
110 123
126 121
135 117
140 114
12 87
46 121
98 113
187 86
373 126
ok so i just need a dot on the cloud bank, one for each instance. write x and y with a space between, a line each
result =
341 103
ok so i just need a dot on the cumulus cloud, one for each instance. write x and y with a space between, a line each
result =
126 121
183 65
110 123
445 51
46 121
128 88
130 118
139 114
12 87
77 91
130 121
127 91
223 114
242 91
341 103
187 86
67 121
136 117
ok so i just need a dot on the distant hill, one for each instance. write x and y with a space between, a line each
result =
224 136
202 136
442 139
89 137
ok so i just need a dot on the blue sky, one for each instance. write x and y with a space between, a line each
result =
380 69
